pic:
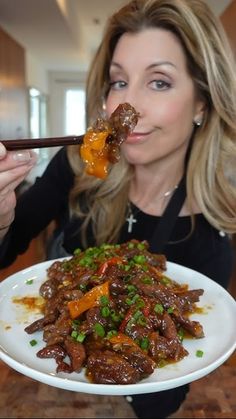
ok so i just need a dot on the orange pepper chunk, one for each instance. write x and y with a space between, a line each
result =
122 339
94 153
89 300
86 154
98 167
96 140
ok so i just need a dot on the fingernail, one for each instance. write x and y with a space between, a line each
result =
2 151
33 156
22 156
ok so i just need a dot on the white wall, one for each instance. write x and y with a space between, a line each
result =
59 82
36 74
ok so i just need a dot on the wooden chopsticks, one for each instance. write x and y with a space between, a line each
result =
29 143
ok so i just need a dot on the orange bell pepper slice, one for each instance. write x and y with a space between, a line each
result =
89 300
98 168
122 339
94 151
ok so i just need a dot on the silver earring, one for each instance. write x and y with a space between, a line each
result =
103 104
197 123
103 108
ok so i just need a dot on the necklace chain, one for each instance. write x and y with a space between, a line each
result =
131 217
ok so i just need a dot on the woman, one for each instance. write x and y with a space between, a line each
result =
175 183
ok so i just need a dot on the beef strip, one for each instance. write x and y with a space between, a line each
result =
107 367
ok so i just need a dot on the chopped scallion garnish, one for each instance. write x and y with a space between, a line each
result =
159 308
29 281
105 311
99 329
81 336
144 344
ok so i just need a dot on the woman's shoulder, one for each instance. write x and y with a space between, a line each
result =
205 249
201 228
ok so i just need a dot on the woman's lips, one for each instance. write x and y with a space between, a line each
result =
137 137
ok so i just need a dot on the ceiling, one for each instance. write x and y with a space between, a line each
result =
63 34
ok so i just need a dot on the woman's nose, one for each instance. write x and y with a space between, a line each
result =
134 99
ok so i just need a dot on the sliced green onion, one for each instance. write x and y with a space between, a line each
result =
139 259
99 329
126 267
29 281
199 353
131 288
159 308
105 311
141 246
81 336
142 321
111 333
104 300
165 280
147 280
77 251
170 310
33 342
162 363
180 333
144 344
129 301
137 314
115 317
140 303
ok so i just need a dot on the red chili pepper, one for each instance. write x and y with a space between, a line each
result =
146 311
147 308
113 261
127 318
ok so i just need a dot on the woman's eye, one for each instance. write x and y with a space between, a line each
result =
159 85
117 85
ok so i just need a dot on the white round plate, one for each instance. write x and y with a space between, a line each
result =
217 316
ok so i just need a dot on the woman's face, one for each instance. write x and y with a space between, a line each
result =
148 70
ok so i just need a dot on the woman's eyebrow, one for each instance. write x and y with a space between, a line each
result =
114 64
161 63
150 67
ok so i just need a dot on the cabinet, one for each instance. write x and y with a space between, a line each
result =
13 91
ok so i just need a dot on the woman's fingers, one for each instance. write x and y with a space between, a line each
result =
13 176
13 159
7 209
14 167
11 187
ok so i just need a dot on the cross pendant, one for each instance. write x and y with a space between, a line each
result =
131 220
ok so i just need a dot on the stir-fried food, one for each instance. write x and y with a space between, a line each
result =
113 311
101 143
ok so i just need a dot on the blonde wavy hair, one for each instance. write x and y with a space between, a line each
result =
211 179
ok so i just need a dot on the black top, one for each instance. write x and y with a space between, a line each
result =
205 250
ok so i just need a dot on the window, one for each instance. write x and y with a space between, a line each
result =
74 111
38 114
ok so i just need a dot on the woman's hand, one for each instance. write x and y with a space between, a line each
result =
14 167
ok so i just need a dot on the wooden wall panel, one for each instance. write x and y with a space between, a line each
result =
228 19
13 92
